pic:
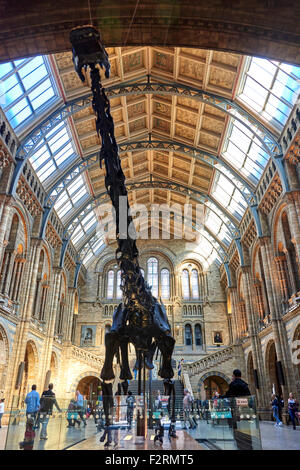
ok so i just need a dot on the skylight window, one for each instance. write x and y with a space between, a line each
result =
70 197
216 226
229 196
84 227
54 150
26 87
271 89
244 151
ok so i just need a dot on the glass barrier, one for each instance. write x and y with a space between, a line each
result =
226 424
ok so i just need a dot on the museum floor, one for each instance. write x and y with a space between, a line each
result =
284 438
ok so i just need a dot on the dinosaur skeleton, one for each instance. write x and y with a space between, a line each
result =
140 319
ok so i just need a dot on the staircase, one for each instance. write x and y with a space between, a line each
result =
159 385
225 360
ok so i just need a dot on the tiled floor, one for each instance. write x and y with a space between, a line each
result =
284 438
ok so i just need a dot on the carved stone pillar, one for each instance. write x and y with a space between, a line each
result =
53 312
69 317
252 317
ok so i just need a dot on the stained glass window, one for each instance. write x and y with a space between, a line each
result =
110 284
195 284
198 335
152 275
119 291
185 278
165 283
188 335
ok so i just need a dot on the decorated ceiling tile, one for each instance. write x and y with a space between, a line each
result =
191 69
132 62
163 61
161 108
186 117
185 132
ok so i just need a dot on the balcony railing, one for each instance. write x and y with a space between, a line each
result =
9 306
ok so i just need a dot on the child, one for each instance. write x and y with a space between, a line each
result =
159 430
29 436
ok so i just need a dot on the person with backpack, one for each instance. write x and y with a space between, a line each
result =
293 409
275 408
130 401
46 408
187 406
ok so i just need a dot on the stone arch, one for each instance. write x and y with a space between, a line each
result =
276 235
270 365
74 384
4 358
31 360
54 369
207 375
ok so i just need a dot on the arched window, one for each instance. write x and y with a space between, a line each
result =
119 291
188 335
185 284
110 284
195 284
152 278
165 283
198 335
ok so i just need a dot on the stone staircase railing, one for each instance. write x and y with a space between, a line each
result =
209 362
87 357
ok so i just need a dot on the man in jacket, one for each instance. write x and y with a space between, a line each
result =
237 388
32 402
46 407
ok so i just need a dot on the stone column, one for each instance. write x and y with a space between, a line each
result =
4 223
253 334
53 312
293 218
21 335
69 317
279 332
232 291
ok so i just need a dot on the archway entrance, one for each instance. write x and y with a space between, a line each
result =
90 386
250 370
214 384
53 369
29 377
272 370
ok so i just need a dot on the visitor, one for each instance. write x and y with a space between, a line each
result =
72 415
32 402
187 406
293 408
237 387
28 442
80 406
158 400
275 408
1 409
130 401
179 368
46 407
281 406
135 371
